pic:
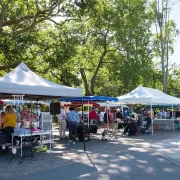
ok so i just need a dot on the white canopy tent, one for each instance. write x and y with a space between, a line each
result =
144 95
25 82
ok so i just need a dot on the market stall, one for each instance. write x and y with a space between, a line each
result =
89 99
149 96
23 84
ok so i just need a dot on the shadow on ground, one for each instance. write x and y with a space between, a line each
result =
128 158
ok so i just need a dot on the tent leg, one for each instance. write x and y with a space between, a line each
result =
83 126
172 118
88 114
152 124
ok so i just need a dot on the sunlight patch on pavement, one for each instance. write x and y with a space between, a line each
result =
150 169
105 155
143 144
103 176
141 166
113 165
138 149
123 157
142 161
124 169
161 160
169 170
113 171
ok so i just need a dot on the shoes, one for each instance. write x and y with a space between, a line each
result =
77 139
74 142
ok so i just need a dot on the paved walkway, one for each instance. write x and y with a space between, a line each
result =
138 157
170 148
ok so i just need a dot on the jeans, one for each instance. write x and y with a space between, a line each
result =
8 130
72 126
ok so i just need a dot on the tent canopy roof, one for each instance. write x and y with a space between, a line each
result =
22 80
144 95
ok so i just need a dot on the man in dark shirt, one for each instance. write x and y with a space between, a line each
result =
148 119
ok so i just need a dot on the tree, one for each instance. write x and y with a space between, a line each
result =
21 16
115 42
165 32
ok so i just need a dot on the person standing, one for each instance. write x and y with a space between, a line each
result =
62 122
93 117
101 117
72 118
106 118
9 122
119 116
149 121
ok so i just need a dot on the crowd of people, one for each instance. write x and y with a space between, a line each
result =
106 117
71 119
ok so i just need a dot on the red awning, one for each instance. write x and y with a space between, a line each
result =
84 103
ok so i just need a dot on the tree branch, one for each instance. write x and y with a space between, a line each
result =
55 76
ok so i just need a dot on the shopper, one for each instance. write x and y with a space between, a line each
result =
149 121
72 118
119 116
62 122
93 116
9 122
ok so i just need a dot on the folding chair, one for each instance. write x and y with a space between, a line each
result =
138 129
113 134
167 127
143 126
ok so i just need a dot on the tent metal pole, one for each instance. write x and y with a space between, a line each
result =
83 126
88 113
14 100
172 117
152 120
108 112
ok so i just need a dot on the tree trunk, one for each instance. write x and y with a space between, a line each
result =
86 86
93 80
162 61
163 41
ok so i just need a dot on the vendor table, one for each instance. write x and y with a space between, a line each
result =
168 123
23 136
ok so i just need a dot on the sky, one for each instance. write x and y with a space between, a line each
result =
175 15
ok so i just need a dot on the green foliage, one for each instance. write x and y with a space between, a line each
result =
105 47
